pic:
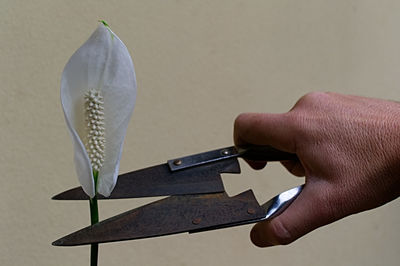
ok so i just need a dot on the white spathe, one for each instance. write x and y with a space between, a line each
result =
102 63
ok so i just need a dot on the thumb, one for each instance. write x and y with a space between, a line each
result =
309 211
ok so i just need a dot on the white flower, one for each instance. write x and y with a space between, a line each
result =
98 94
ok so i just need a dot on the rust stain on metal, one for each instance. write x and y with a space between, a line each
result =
251 211
213 196
196 220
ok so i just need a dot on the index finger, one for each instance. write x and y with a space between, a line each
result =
264 129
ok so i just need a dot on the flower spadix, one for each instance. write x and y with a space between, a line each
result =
98 93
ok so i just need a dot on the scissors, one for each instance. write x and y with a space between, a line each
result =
196 200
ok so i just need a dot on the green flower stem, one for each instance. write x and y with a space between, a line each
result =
94 211
94 218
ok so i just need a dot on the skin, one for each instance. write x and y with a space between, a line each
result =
349 152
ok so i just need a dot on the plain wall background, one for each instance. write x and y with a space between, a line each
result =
198 64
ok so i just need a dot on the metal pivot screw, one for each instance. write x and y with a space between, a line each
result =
225 152
196 220
177 162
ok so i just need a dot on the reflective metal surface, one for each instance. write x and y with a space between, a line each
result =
280 202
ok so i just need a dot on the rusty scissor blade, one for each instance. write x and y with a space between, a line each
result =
160 181
172 215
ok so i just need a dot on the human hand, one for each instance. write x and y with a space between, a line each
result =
348 149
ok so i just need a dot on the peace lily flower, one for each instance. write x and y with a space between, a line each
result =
98 93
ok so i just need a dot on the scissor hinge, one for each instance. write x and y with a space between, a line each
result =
202 158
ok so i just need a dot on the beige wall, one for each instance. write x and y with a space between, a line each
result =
198 65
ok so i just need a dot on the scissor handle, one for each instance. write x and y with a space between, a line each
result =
273 208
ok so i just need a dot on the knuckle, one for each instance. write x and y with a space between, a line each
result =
298 123
294 120
316 95
312 98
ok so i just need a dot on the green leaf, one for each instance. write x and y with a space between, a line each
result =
104 23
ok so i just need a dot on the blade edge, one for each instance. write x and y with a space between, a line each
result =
160 181
173 215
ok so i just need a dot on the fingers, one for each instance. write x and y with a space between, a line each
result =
308 212
257 165
294 167
264 129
